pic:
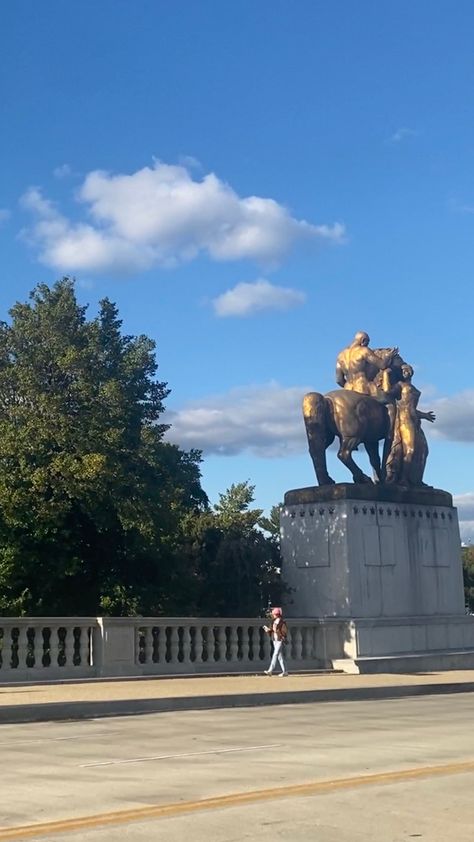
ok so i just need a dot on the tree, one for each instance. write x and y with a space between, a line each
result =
271 524
233 566
468 572
91 497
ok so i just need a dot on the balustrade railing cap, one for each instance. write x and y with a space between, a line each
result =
44 621
202 621
193 621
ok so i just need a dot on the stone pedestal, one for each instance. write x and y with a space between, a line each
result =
381 569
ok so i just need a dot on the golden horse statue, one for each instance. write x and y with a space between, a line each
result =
371 406
355 419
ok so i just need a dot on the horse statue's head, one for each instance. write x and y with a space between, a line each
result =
395 368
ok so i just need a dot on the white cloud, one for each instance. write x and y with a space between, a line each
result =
82 247
33 200
264 420
63 171
456 206
245 299
190 162
455 417
402 134
162 215
465 507
466 528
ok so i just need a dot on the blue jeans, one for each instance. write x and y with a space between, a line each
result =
277 655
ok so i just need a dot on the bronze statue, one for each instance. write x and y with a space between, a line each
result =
406 461
357 365
354 419
377 402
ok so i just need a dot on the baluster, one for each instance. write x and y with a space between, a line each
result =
207 645
174 645
84 649
7 651
252 648
159 644
297 646
139 655
147 655
149 643
245 644
53 646
199 644
240 643
31 647
310 641
186 644
267 646
261 644
226 644
251 638
218 650
68 647
256 644
234 645
315 638
4 649
305 649
180 633
22 647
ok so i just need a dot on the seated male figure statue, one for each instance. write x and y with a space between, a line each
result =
357 364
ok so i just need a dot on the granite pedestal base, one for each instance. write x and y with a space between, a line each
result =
380 568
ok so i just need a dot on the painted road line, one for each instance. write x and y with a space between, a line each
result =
173 756
86 736
156 811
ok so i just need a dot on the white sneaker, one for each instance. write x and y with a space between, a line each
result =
267 672
283 675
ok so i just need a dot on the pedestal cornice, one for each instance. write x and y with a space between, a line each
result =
376 493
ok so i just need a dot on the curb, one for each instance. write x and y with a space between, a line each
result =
177 676
64 711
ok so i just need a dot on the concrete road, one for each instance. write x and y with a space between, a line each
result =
76 699
372 771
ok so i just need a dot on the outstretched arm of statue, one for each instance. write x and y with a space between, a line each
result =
426 416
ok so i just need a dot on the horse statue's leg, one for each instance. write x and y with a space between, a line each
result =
319 434
389 439
348 445
372 449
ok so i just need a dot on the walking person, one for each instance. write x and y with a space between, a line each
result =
278 632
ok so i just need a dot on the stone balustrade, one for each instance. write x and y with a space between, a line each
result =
35 648
51 648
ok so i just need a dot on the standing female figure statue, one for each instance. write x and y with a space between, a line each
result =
407 458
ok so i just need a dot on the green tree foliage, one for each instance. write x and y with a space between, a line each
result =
468 571
232 568
271 524
91 497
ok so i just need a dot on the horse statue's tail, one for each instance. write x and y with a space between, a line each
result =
315 412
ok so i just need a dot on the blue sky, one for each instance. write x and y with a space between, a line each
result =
252 182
